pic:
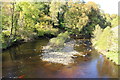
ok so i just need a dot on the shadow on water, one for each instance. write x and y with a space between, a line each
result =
25 60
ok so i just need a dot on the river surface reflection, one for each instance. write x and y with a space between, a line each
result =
24 60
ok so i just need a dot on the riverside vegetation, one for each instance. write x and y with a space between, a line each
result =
25 21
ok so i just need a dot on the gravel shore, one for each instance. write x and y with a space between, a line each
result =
61 55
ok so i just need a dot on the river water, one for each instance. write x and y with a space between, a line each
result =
24 60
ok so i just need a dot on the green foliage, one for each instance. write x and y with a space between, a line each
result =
45 28
60 39
113 19
106 42
55 11
19 20
64 35
74 18
26 20
97 32
104 39
82 18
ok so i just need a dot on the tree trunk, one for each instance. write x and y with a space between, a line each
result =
12 25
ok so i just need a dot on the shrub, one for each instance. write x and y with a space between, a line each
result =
45 28
60 39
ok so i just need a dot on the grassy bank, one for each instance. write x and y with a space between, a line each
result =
105 41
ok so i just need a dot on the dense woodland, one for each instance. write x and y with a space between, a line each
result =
25 21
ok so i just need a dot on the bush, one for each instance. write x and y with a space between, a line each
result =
45 28
60 39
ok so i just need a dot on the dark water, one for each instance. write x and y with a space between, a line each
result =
24 60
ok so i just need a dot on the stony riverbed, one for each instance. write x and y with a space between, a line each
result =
63 55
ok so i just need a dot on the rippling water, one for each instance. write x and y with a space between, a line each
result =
24 60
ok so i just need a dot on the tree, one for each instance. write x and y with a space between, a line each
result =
8 19
80 16
55 11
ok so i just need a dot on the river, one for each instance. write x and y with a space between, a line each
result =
24 60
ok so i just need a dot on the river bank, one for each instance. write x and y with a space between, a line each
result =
21 41
109 45
113 58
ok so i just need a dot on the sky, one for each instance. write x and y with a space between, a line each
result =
109 6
